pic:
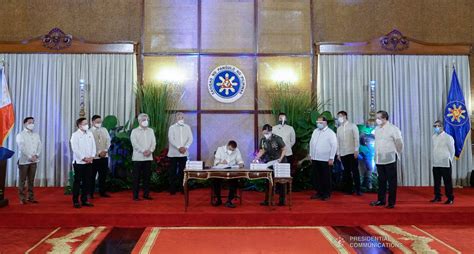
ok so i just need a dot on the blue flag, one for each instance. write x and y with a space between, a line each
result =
456 116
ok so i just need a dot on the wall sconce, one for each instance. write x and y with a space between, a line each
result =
284 77
170 75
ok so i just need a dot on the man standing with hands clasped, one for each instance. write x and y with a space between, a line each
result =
322 150
144 143
101 160
388 145
442 154
83 148
348 152
180 138
29 144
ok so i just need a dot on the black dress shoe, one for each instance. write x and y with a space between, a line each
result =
229 204
217 203
87 204
264 203
434 200
33 201
136 199
390 206
147 198
77 205
315 196
377 203
358 193
324 198
105 195
449 202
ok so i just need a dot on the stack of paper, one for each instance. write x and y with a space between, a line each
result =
225 166
258 166
195 165
282 170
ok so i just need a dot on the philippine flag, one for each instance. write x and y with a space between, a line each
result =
7 117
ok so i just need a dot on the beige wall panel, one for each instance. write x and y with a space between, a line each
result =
181 70
284 26
272 70
227 26
171 26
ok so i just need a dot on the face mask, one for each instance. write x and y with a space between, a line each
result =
378 121
320 126
282 121
437 130
340 120
98 125
85 127
145 123
30 126
181 122
268 135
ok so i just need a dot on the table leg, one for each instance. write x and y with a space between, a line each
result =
186 195
290 194
270 194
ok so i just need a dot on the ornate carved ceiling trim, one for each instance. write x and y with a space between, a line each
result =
57 41
393 43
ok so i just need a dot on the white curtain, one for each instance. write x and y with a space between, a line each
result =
46 86
413 89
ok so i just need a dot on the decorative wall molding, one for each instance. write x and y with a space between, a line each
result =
393 43
59 42
56 39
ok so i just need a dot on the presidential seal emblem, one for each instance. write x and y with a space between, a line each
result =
226 83
456 113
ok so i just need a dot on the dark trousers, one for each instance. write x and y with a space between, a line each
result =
82 178
216 188
176 174
351 173
445 173
27 175
141 173
322 178
101 167
387 174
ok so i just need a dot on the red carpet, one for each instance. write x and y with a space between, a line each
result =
175 240
55 209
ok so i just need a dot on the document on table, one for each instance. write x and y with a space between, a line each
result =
225 166
271 163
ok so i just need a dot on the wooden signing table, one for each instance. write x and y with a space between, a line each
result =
206 174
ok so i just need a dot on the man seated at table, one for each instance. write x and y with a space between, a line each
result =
228 155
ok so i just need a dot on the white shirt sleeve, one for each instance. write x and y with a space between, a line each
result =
292 137
333 143
108 140
153 140
189 139
451 146
39 146
239 159
398 140
356 138
218 156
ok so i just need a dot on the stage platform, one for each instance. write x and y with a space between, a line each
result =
55 209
